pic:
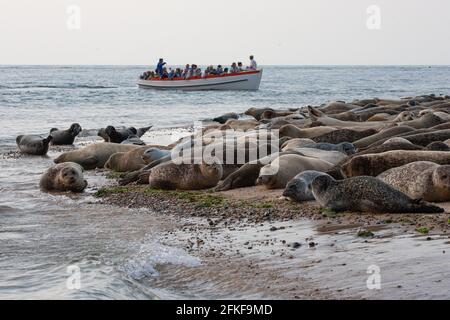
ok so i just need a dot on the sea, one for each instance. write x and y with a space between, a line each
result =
62 246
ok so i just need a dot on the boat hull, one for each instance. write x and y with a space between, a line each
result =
242 81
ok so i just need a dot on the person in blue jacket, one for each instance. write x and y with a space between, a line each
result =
159 67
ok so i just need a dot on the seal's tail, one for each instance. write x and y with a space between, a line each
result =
420 206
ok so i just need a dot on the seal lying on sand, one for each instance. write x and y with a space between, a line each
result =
118 136
127 161
343 147
94 155
366 194
375 164
318 117
292 131
169 176
33 144
296 143
281 170
438 146
225 117
67 176
111 134
65 137
299 188
420 180
333 157
257 112
387 133
246 175
344 135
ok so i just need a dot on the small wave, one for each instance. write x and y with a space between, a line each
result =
150 255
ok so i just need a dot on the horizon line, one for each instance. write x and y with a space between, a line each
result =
262 65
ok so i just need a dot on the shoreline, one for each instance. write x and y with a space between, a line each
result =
256 236
257 204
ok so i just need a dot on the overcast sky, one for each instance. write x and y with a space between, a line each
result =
220 31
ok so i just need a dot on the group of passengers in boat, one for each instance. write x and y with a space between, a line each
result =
190 71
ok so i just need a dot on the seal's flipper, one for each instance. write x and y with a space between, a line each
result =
89 163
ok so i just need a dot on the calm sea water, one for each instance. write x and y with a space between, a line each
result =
43 235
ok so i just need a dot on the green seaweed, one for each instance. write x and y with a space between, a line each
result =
326 212
423 230
102 192
365 234
262 205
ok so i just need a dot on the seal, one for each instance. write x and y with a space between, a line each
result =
242 125
272 114
292 131
102 133
257 112
296 143
65 137
225 117
424 139
247 174
299 188
389 145
438 146
374 164
333 157
420 180
343 147
67 176
319 118
404 116
94 155
366 194
426 121
128 161
282 169
117 136
344 135
383 134
346 116
33 144
170 176
337 107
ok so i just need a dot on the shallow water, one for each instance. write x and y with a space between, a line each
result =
120 252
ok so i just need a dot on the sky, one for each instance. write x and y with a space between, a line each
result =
285 32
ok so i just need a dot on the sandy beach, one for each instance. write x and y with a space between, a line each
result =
247 237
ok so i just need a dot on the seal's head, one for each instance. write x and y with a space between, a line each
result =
322 183
212 170
132 130
267 174
75 129
347 148
70 177
295 189
152 154
110 130
441 177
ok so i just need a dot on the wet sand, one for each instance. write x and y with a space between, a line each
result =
256 244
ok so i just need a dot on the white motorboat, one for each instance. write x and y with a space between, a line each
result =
245 80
